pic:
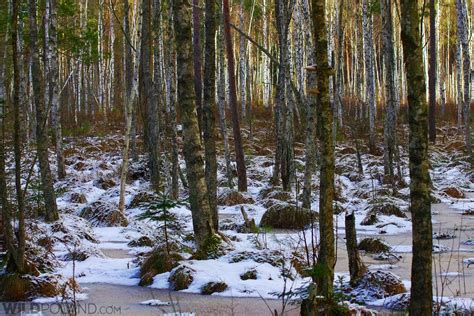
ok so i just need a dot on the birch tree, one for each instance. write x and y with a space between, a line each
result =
198 194
51 213
421 275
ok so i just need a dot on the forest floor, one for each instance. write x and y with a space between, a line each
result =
109 255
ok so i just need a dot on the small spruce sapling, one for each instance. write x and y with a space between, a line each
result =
158 211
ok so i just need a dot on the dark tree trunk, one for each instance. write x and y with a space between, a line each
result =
51 213
147 96
209 106
239 152
356 267
421 280
20 253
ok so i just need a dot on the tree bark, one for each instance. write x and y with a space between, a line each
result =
432 74
367 24
147 97
51 213
197 61
209 106
19 264
324 277
356 267
421 286
198 194
390 142
239 152
463 39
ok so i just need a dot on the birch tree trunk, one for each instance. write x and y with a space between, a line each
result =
198 194
432 74
54 87
197 60
51 213
209 106
323 281
242 63
463 38
421 286
221 102
131 86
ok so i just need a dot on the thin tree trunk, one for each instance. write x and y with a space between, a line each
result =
391 91
221 104
41 121
20 265
148 99
367 24
421 281
432 74
239 152
54 87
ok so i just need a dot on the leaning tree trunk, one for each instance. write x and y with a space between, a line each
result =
198 197
209 106
323 281
131 87
239 152
421 280
51 213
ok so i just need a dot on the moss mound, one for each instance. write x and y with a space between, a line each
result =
181 278
373 245
250 274
103 215
213 287
230 197
158 262
287 216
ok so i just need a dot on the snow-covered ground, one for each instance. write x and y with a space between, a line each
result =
93 173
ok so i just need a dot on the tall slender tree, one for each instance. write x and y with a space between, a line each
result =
51 213
239 152
323 272
432 73
421 278
19 258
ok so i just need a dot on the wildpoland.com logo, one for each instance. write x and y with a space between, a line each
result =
27 309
